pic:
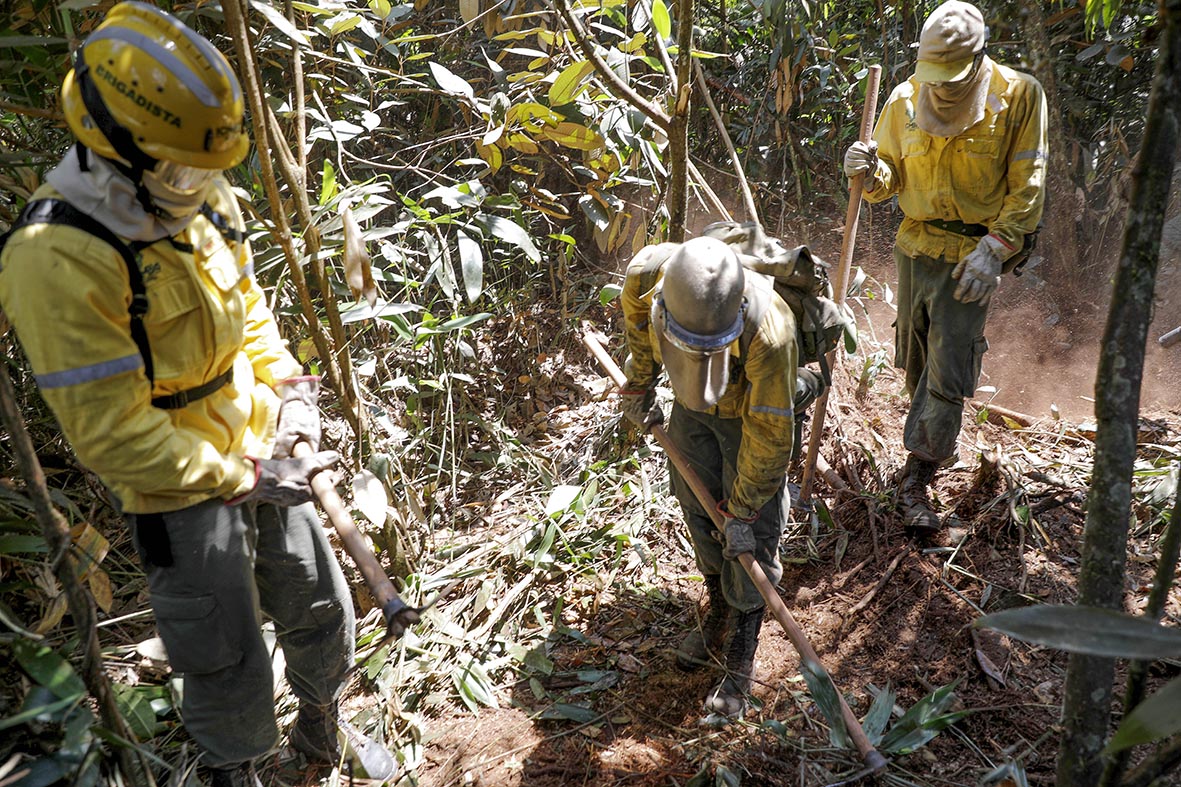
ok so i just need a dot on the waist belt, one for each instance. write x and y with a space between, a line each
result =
178 400
958 227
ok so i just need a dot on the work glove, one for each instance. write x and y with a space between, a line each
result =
287 482
861 157
979 273
740 538
638 405
399 617
299 417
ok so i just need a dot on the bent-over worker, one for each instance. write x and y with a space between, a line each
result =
685 308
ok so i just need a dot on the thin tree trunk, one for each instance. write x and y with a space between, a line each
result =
65 568
1087 701
678 132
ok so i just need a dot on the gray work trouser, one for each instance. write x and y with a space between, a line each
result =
230 565
711 445
940 343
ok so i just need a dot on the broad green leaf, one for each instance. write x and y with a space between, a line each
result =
661 21
568 84
475 688
276 18
609 293
136 708
328 188
363 311
471 262
459 323
583 714
12 544
878 717
449 81
573 135
825 694
16 42
509 231
923 722
594 211
48 669
1087 630
1155 718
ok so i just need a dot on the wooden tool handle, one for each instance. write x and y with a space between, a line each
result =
869 756
841 283
354 542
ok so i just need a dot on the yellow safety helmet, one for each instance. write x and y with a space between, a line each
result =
145 88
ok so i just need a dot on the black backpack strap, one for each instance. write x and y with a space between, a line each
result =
223 225
56 211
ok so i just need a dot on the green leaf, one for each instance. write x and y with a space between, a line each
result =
12 544
923 722
328 187
471 261
48 669
609 293
136 709
1155 718
825 694
879 715
661 22
1089 52
1088 630
474 686
583 714
451 82
509 231
561 498
569 83
594 211
281 22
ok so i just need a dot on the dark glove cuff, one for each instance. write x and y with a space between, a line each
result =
394 607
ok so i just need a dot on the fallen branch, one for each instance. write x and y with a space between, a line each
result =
872 594
995 414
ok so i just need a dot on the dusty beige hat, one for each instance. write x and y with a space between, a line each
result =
951 37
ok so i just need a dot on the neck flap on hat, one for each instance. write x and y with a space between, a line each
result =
953 108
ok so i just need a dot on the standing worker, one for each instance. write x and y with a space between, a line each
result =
728 343
129 283
962 144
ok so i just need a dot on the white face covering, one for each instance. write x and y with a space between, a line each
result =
945 109
178 190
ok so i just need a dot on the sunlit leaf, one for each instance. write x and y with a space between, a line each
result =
370 498
594 211
561 498
568 84
449 81
100 587
469 9
1088 630
509 231
579 713
276 18
573 135
661 21
471 263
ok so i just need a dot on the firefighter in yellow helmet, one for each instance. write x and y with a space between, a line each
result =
129 283
962 144
728 343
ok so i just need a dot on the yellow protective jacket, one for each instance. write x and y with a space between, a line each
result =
66 293
762 387
992 174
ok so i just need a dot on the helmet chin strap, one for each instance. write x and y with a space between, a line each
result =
118 135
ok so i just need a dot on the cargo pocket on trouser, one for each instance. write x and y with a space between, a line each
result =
971 372
194 633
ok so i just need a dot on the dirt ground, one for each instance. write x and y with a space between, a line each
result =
880 610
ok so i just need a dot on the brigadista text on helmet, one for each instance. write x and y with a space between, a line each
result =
140 100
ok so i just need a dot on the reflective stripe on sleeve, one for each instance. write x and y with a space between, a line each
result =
759 408
88 374
1029 154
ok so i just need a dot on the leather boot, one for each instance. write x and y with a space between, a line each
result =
242 775
729 697
323 737
704 644
914 498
